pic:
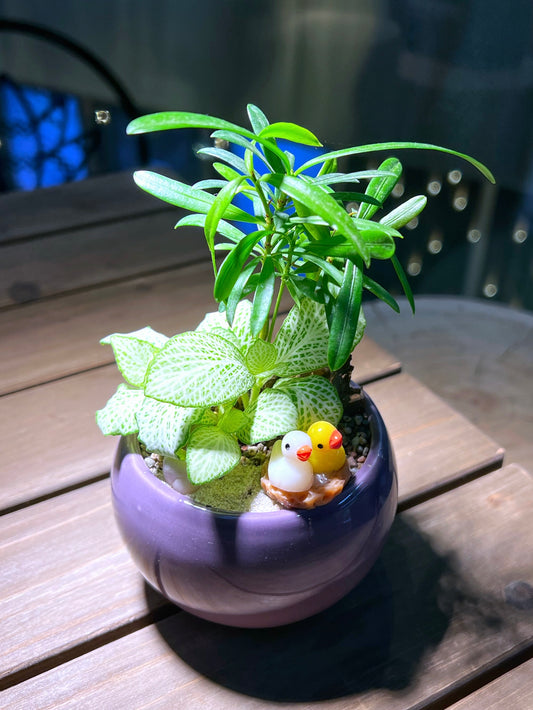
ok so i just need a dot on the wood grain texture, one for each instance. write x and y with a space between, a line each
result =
430 615
512 691
53 424
47 340
80 258
434 444
31 532
477 355
72 205
50 339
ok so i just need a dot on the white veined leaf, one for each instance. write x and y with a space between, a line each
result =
232 421
272 414
302 340
197 369
118 415
164 427
134 352
315 398
240 327
211 453
261 357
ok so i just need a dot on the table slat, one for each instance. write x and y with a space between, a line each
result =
430 615
55 209
512 691
36 533
96 254
436 445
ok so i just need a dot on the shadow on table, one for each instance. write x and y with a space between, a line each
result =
376 637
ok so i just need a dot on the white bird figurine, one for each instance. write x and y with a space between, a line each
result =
288 467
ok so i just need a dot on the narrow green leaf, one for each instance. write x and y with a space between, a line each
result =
377 147
405 212
237 291
211 452
327 267
224 228
330 166
344 317
182 195
226 172
227 157
400 273
243 142
290 132
355 197
337 178
381 187
264 293
167 120
380 292
209 184
220 204
322 204
233 264
257 118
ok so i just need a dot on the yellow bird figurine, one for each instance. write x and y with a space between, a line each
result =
328 453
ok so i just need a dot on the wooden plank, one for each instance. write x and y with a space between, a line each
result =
477 355
50 339
27 533
46 340
59 417
54 426
96 254
72 205
437 446
512 691
430 616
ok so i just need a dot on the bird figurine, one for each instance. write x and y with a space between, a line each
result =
288 467
328 453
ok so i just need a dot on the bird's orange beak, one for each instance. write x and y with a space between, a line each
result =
335 440
304 452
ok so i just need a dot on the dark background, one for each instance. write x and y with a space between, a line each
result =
453 72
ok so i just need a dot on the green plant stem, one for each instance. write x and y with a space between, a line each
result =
245 400
254 394
275 312
259 190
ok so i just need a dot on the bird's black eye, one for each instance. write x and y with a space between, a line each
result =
287 446
320 446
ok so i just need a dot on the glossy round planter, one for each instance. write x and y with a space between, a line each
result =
255 569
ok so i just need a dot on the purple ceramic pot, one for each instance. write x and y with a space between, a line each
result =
255 569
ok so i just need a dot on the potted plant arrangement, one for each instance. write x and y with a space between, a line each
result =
254 484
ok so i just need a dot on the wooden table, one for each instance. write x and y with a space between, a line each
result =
445 618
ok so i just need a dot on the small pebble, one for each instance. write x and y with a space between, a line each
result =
358 419
361 459
365 451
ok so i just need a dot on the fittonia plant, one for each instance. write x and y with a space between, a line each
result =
199 395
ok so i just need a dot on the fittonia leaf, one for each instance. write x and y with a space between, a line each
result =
211 453
302 341
119 414
272 414
315 399
164 427
197 369
134 352
240 327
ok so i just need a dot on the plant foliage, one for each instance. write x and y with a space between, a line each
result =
199 394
